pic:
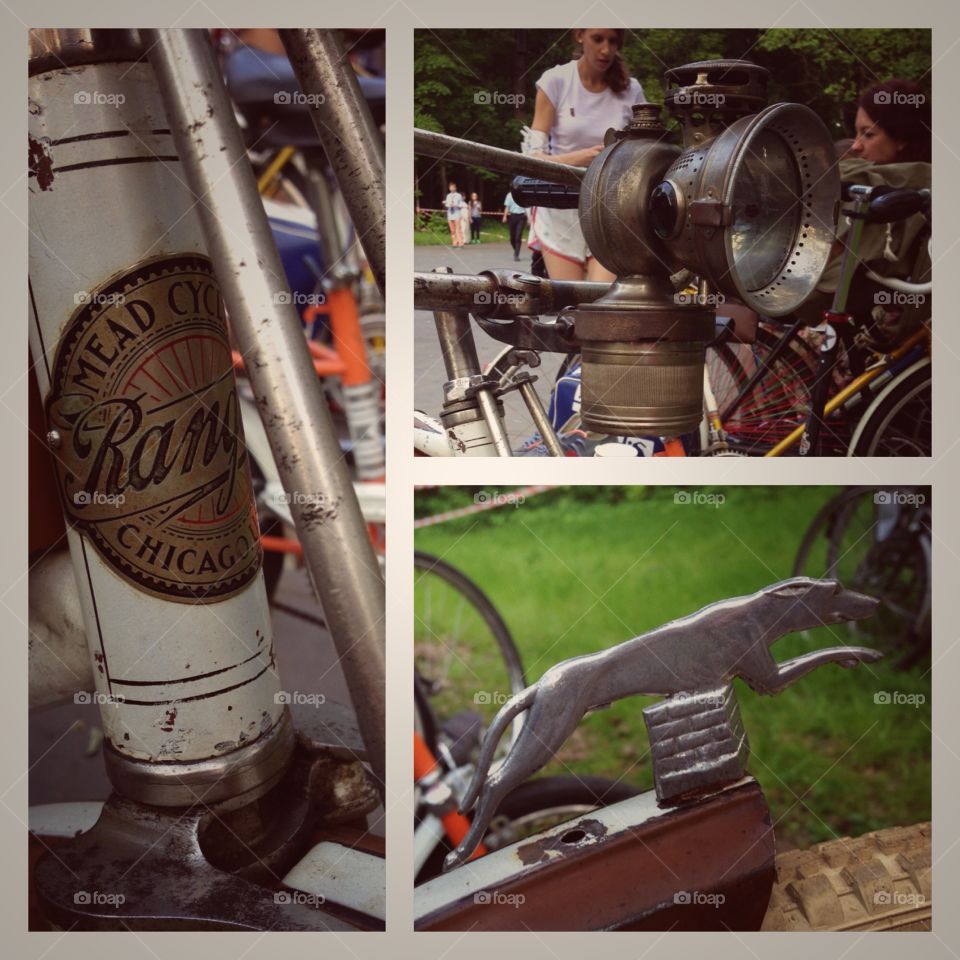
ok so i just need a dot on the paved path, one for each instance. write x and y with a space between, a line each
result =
428 363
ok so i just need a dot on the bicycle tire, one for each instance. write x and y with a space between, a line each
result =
898 422
481 634
777 404
880 881
897 570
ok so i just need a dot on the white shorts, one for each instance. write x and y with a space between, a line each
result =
558 232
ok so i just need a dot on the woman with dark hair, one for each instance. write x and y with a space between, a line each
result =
577 102
891 148
893 123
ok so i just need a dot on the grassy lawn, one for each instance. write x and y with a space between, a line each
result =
571 575
435 231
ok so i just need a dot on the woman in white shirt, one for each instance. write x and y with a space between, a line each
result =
577 102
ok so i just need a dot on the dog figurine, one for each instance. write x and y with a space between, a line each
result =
727 639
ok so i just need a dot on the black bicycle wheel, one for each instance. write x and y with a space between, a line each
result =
899 421
464 655
877 541
777 403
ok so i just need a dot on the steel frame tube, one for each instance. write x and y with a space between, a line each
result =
349 136
337 550
441 147
451 291
539 417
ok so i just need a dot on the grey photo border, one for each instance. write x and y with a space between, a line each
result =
401 18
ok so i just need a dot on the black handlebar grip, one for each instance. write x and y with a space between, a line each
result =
527 192
896 205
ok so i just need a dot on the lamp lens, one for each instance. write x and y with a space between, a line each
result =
663 210
766 210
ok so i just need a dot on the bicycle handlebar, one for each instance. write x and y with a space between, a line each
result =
528 192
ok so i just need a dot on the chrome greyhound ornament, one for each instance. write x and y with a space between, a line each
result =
699 652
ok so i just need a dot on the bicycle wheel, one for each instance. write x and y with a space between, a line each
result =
877 541
464 655
777 403
898 422
881 881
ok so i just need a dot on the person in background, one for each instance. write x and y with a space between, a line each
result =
577 102
891 147
516 217
476 213
454 205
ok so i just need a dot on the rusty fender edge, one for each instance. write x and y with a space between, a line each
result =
705 865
